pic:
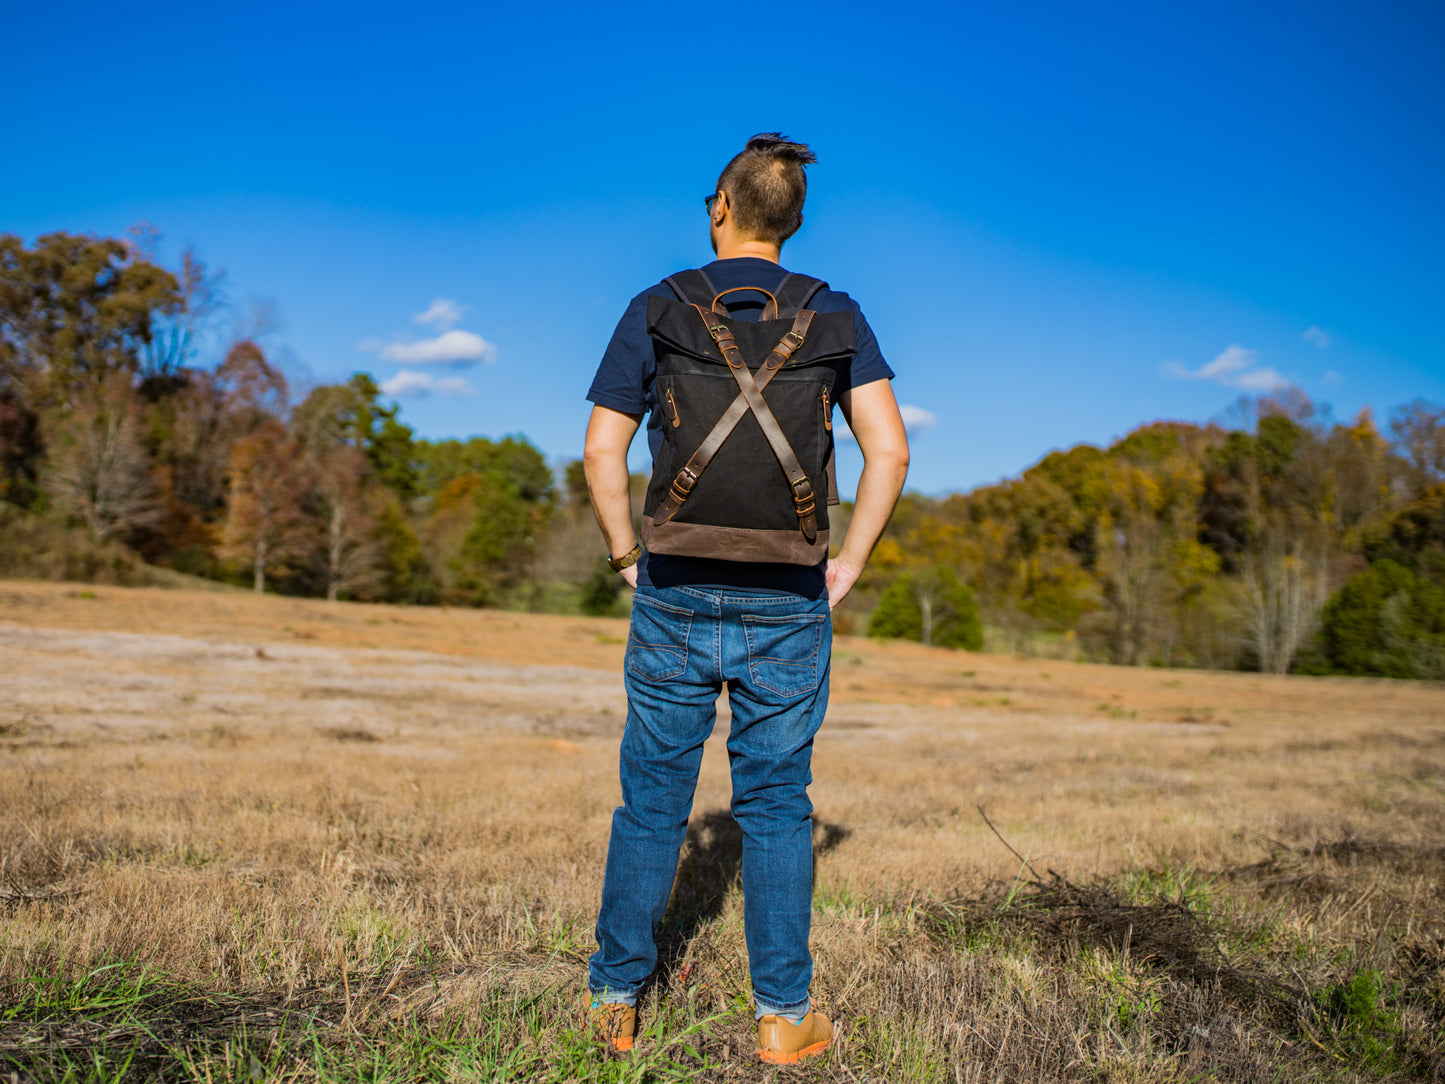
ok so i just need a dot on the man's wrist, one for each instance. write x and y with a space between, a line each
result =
627 560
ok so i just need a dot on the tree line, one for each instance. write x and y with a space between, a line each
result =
120 440
1283 542
136 433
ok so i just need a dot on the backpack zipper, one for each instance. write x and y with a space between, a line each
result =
672 405
827 412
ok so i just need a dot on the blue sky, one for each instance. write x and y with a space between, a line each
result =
1062 220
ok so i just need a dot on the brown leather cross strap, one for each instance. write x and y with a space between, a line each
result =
687 477
750 397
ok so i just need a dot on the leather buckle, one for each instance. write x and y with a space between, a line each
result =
685 476
716 331
798 343
802 492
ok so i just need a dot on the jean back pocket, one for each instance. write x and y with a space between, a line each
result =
783 651
657 639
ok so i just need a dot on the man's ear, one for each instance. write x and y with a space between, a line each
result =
720 208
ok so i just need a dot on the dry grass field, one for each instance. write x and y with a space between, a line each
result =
257 838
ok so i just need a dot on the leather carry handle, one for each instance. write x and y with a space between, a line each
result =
770 310
687 477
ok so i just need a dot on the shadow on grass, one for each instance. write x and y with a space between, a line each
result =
709 871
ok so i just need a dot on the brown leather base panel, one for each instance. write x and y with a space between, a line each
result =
733 543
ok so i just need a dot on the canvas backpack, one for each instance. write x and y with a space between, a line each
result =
745 472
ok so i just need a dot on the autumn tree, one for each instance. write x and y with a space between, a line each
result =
1270 511
352 413
1418 430
1150 562
489 502
74 310
512 459
366 462
266 523
327 426
1365 471
352 550
96 467
253 391
406 573
570 549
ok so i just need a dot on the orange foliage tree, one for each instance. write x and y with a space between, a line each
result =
266 522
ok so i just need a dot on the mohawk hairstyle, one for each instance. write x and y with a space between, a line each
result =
766 186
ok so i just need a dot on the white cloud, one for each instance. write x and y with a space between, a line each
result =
1317 335
410 384
442 313
916 419
1265 379
1234 367
1332 379
449 348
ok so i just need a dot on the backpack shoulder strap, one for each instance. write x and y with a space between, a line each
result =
795 291
693 287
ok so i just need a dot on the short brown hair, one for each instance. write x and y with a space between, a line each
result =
766 186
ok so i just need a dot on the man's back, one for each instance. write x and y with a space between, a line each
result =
759 630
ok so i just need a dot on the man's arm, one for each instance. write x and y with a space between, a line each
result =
872 415
604 460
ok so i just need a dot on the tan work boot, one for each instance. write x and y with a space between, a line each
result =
611 1022
782 1043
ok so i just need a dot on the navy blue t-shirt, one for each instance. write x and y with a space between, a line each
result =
625 383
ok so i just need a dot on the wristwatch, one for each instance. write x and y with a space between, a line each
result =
627 560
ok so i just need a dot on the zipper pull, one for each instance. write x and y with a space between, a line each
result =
827 412
676 417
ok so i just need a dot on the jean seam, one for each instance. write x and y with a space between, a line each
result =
717 637
768 600
721 596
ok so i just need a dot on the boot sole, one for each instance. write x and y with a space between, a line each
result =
779 1057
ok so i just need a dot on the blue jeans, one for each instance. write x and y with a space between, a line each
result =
772 653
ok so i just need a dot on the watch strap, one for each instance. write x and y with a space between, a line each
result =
627 560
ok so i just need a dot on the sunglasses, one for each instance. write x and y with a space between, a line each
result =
707 201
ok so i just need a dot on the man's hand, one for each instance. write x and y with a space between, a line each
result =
841 578
630 575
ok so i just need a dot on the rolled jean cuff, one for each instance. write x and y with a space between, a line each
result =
793 1014
612 997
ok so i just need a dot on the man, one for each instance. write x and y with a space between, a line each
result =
696 623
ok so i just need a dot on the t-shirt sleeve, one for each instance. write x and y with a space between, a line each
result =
867 365
621 380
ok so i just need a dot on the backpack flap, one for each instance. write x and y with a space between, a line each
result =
677 328
725 485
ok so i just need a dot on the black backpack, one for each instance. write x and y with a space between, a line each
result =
747 423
